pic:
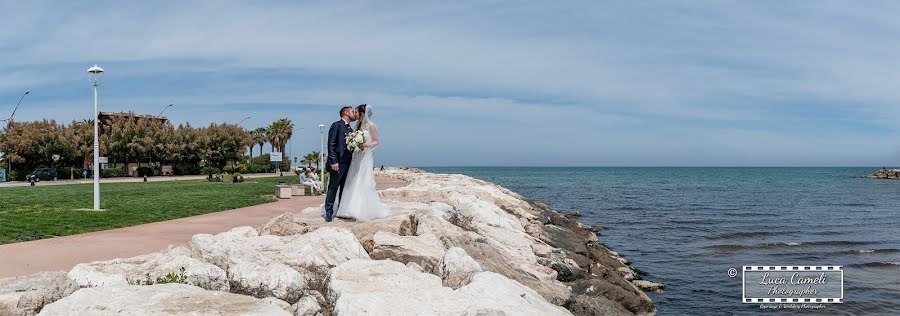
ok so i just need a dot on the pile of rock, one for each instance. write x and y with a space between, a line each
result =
453 245
885 173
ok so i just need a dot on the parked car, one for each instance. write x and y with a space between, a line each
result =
42 174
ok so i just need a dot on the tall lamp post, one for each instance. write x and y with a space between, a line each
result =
163 110
10 119
95 73
322 153
242 121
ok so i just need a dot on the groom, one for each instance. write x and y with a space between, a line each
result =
338 158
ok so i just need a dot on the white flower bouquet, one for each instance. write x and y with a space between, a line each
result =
355 140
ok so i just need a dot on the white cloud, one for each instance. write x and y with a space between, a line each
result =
654 74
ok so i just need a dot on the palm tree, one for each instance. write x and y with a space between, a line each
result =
311 158
279 133
258 136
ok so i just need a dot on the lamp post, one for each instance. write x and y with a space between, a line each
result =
322 153
9 120
242 121
163 110
95 73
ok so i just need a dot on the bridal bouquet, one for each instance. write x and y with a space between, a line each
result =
355 140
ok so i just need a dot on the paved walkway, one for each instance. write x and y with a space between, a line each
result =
62 253
126 179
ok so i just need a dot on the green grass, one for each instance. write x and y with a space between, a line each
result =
29 213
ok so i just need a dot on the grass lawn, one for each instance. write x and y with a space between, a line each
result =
29 213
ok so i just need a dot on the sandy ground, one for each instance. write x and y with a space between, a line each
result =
62 253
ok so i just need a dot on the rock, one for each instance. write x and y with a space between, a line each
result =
149 269
415 267
281 304
649 286
457 268
249 272
322 248
161 299
574 214
598 291
27 295
567 269
493 294
320 299
426 251
383 287
626 272
307 306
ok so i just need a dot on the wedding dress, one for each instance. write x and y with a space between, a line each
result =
360 199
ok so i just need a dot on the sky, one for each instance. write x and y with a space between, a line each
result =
487 83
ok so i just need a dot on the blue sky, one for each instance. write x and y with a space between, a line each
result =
580 83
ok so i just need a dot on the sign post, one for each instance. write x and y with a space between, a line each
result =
275 157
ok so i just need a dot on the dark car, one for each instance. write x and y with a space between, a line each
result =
42 174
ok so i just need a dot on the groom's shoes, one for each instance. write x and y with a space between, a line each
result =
328 216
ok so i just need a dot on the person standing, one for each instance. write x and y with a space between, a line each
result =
339 158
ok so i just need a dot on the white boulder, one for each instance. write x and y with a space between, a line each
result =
161 299
27 295
426 251
457 268
147 269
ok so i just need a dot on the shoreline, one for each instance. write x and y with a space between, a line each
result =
460 244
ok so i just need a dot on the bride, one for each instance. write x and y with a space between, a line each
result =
360 199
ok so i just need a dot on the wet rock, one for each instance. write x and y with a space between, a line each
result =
649 286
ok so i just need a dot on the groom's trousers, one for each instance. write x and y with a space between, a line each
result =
335 187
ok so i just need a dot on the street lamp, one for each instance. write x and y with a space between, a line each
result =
9 120
322 153
95 73
163 110
242 121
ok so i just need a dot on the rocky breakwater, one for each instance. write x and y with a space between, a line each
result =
453 245
885 173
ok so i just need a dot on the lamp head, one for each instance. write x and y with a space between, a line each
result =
95 70
27 92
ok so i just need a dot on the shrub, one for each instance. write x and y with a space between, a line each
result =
209 170
193 170
257 168
112 172
261 160
68 172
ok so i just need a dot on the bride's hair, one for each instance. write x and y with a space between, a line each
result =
364 117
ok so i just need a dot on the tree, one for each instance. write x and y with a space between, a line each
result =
279 133
311 158
258 136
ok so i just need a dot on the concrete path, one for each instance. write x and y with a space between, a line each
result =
127 179
62 253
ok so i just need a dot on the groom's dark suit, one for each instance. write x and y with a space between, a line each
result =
337 154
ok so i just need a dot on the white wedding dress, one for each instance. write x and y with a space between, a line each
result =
360 199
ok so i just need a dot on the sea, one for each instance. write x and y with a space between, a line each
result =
686 227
